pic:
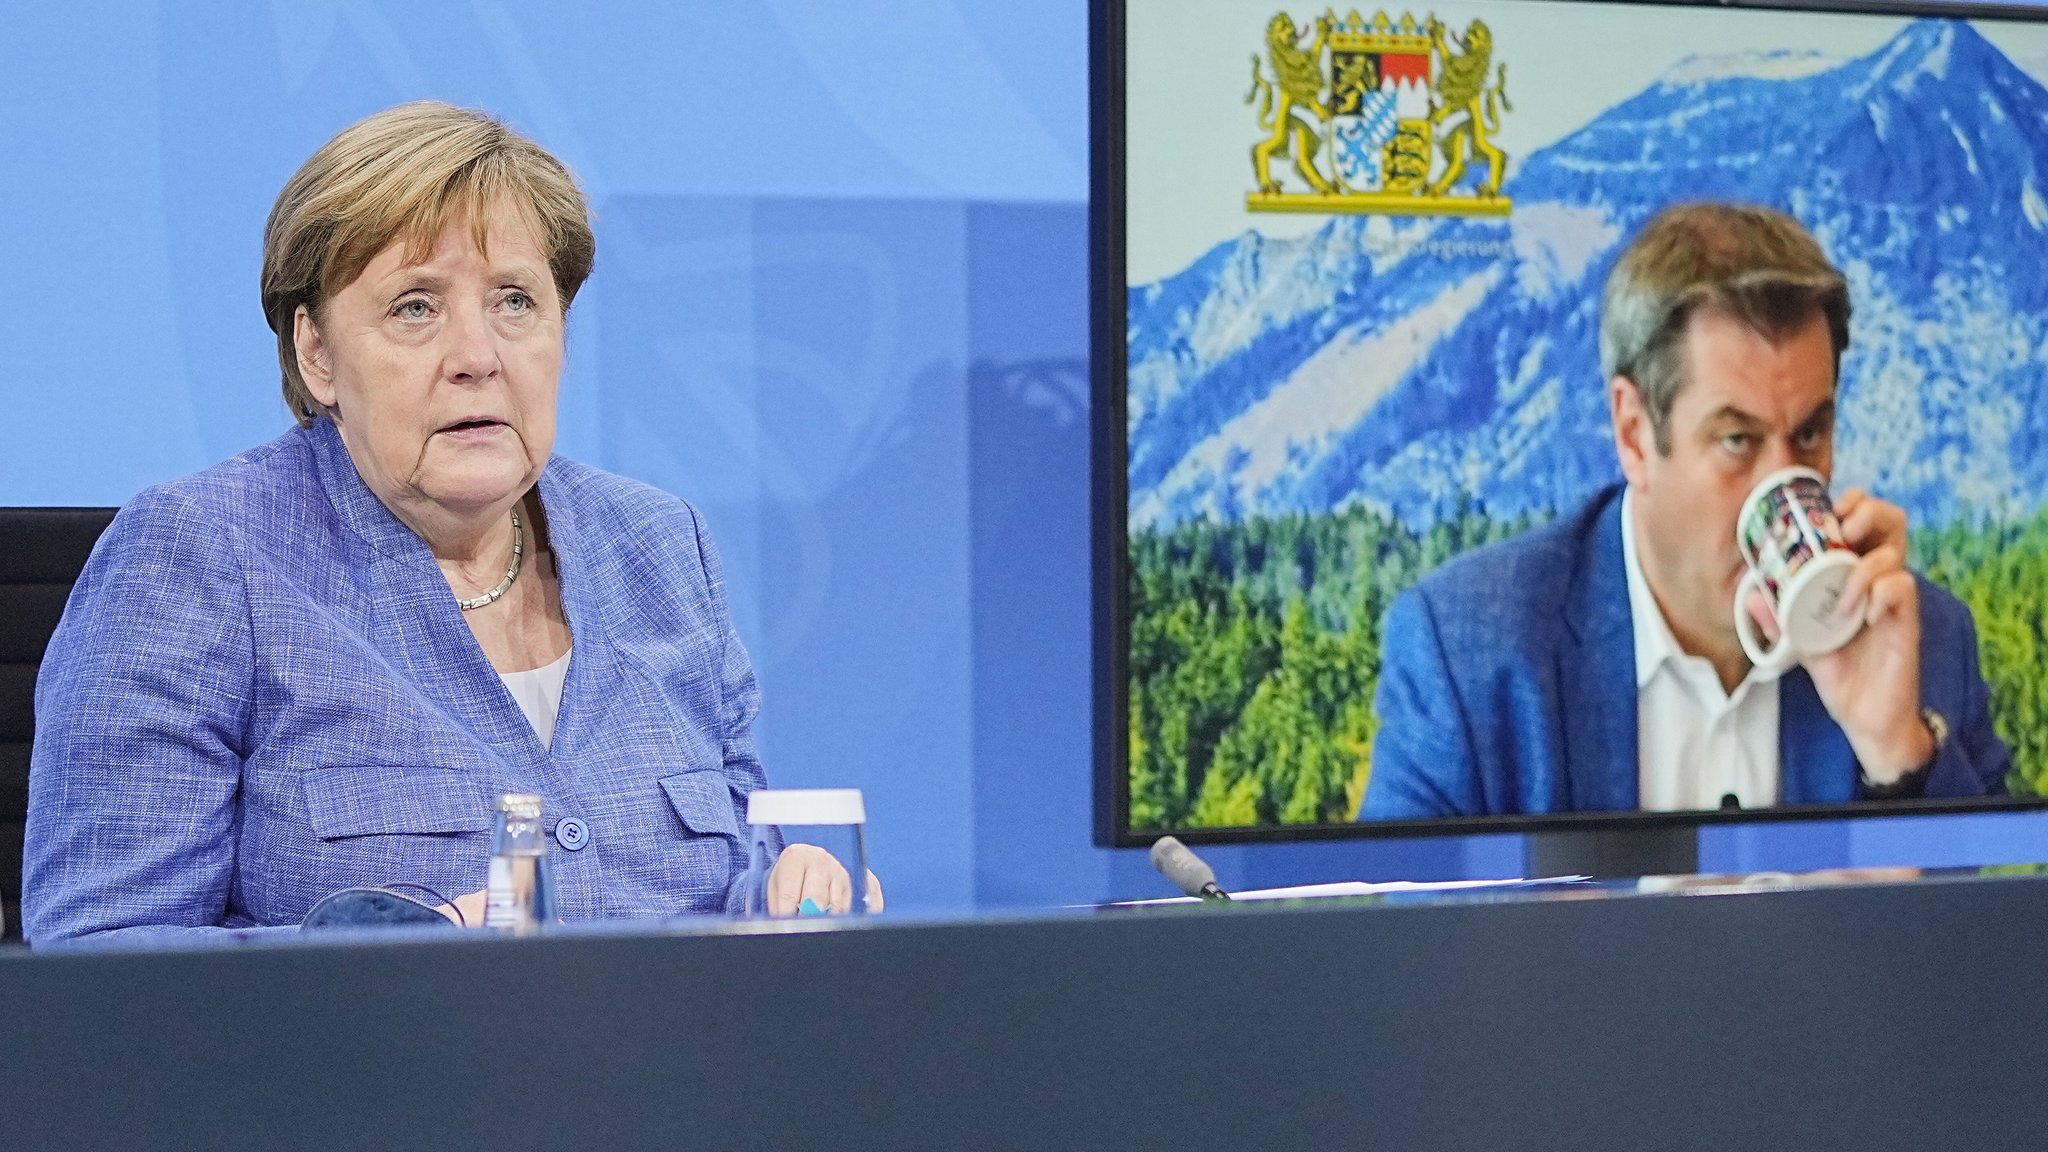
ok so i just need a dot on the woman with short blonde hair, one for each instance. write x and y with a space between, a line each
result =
314 666
401 175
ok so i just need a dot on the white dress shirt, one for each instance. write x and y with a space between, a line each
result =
1695 743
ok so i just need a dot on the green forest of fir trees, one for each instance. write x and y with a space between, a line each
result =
1254 653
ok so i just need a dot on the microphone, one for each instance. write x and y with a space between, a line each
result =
1185 869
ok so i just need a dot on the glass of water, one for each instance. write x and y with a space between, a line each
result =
830 820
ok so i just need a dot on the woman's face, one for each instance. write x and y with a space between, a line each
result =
443 373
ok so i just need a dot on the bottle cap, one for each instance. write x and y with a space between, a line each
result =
520 805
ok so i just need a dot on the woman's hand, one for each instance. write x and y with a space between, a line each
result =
803 871
468 910
808 872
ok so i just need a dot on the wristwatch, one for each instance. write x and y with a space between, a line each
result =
1915 782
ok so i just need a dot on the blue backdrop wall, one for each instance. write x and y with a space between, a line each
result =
840 305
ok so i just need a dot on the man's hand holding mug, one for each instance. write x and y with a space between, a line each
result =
1828 588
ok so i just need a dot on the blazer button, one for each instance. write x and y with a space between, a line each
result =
572 833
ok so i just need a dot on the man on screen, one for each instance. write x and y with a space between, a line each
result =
1593 664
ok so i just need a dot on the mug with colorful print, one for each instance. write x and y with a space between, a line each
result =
1793 544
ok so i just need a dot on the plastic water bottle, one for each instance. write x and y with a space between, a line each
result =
518 899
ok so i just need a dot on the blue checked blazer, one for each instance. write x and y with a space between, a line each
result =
262 691
1508 685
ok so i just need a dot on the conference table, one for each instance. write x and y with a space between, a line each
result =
1848 1010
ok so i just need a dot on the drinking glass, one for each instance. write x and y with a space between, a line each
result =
833 819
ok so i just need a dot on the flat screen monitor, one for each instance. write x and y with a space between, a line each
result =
1347 290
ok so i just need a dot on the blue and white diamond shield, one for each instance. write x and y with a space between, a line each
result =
1357 140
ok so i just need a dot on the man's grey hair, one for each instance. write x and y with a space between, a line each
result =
1756 265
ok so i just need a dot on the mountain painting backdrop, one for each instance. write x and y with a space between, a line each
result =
1316 421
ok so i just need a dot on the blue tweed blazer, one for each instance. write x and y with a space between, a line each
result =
1508 685
262 691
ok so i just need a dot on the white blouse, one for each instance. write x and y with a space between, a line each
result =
539 694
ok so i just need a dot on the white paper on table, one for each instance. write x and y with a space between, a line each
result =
1354 888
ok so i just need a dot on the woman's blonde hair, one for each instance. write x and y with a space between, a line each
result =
402 175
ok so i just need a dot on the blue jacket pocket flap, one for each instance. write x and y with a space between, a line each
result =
703 801
378 799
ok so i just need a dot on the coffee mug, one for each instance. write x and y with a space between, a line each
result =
1793 545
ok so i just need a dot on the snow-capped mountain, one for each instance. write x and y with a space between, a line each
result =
1417 364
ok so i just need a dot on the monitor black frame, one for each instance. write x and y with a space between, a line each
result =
1109 486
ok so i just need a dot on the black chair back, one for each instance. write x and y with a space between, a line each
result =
42 551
